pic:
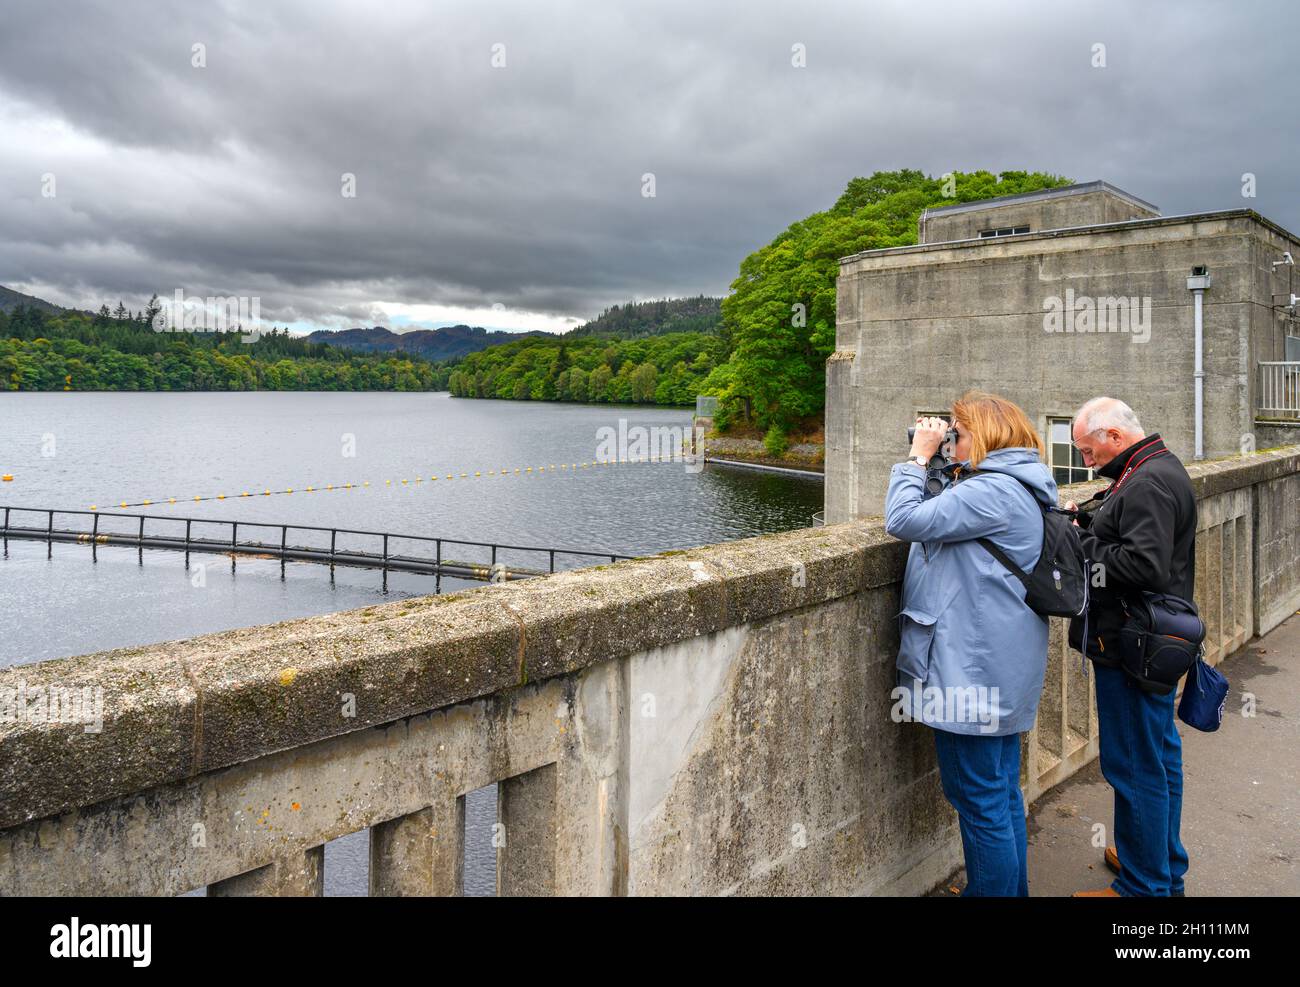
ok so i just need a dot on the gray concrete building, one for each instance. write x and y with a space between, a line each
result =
1053 297
1051 209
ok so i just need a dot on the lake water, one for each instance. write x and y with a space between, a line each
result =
70 451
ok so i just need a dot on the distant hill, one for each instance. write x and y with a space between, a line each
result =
638 319
635 320
10 300
445 343
83 351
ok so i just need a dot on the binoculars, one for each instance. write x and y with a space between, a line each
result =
938 473
948 436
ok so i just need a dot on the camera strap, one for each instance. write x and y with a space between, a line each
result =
1134 465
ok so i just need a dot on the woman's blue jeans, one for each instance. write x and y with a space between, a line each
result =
981 778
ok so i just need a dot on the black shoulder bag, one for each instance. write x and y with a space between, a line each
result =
1161 639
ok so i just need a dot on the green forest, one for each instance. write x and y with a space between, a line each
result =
120 351
655 318
667 369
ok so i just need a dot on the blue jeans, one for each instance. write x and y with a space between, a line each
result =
981 778
1142 759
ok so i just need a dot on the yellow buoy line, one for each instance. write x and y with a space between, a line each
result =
332 487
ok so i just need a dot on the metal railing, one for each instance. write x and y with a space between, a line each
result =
99 532
1279 389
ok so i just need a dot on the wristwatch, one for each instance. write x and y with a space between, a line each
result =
920 461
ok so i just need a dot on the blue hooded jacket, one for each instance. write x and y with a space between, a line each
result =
972 654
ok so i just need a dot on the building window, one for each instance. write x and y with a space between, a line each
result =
1004 231
1063 458
945 415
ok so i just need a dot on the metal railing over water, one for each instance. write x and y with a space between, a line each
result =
194 535
1279 389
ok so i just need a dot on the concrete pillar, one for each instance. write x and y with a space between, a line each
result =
526 811
1050 727
840 487
299 876
421 854
592 787
1081 707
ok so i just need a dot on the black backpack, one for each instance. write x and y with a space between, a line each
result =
1058 584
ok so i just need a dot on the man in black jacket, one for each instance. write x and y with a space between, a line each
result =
1141 536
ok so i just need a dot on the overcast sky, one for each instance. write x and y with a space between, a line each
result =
511 195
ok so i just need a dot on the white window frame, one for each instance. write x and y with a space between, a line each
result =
1003 231
1075 472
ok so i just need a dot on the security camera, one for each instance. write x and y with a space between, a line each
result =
1286 259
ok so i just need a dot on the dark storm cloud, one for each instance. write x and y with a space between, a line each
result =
521 186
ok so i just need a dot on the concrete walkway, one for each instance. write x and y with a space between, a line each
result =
1241 796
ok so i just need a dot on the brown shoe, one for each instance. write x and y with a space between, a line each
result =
1103 893
1112 859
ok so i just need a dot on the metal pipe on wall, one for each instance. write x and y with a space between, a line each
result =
1196 284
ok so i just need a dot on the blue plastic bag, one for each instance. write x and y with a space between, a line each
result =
1204 695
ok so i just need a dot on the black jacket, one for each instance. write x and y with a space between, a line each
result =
1141 537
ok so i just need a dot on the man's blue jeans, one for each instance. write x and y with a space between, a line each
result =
1142 759
981 778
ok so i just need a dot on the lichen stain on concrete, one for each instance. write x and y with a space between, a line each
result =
287 675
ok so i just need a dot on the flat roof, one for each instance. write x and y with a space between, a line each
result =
974 242
1047 193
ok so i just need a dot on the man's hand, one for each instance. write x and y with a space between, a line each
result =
928 437
1082 519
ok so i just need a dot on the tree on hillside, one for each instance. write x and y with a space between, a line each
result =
644 379
779 320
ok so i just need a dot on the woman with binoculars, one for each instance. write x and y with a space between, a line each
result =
972 654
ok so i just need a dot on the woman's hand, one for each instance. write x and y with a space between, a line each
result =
928 437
